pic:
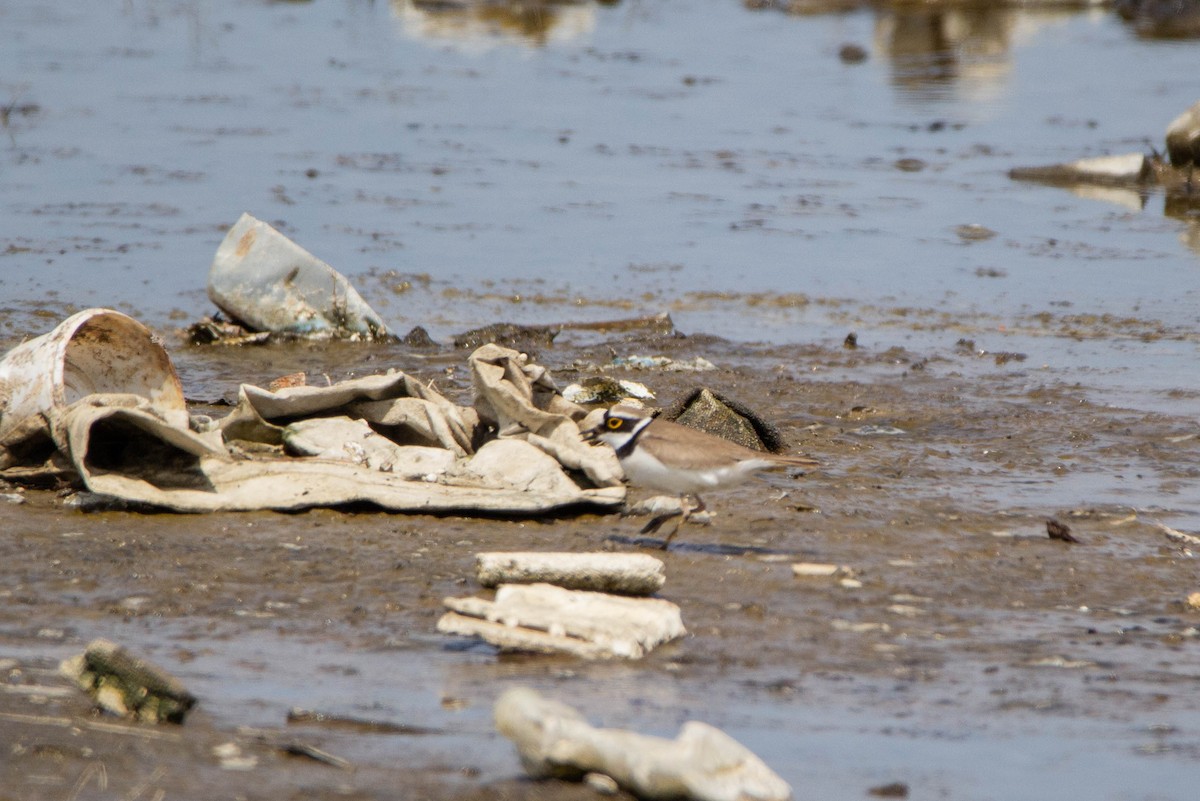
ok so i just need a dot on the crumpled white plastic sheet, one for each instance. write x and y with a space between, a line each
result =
130 446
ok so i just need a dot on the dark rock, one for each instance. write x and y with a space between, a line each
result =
510 335
418 338
709 411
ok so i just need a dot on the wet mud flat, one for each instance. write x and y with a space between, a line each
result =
959 651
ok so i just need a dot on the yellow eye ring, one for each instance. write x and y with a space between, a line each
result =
614 423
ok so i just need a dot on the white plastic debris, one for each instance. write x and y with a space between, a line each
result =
698 364
347 440
94 351
815 569
603 389
522 401
547 619
126 435
414 413
1123 169
514 464
701 763
267 282
624 573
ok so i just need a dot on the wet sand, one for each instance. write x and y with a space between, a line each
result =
1025 353
979 657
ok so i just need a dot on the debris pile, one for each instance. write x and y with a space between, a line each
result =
564 603
98 398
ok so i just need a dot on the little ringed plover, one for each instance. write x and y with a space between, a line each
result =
660 455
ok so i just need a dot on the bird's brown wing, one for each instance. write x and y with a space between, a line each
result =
701 450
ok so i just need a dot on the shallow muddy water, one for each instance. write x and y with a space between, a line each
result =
1024 352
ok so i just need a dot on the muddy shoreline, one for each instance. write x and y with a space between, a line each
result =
971 626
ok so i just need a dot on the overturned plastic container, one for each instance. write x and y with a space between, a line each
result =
267 282
97 351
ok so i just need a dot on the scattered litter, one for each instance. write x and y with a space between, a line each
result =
348 440
623 573
216 330
1131 171
96 351
814 569
547 619
98 400
1123 169
126 686
602 389
266 282
702 763
1061 662
857 627
698 364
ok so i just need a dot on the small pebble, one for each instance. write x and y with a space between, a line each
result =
602 784
851 53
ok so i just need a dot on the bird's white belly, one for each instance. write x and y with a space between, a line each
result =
644 470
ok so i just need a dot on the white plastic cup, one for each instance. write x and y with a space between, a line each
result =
94 351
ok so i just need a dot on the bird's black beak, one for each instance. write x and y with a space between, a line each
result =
591 436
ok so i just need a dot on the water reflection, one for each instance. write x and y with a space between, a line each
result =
1161 19
485 23
936 53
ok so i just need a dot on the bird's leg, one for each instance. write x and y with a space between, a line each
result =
656 523
685 511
